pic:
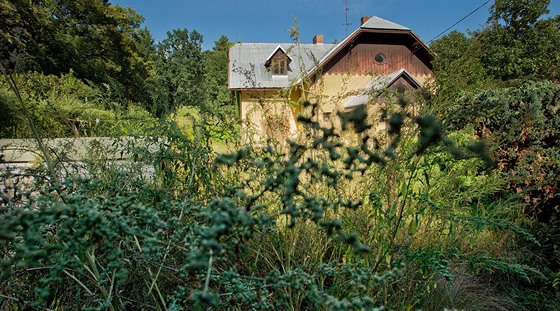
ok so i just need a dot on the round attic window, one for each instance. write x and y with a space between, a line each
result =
379 58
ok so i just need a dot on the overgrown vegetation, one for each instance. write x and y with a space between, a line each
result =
53 47
308 227
453 206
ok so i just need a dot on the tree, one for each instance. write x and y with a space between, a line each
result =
216 77
457 67
179 74
502 82
518 15
520 44
93 38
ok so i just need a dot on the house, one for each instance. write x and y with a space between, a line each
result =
271 80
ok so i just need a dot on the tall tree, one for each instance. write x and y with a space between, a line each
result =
94 39
518 15
179 72
502 82
216 77
457 67
520 43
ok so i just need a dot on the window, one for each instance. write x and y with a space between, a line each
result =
280 67
278 62
379 58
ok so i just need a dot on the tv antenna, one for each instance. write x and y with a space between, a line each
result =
346 9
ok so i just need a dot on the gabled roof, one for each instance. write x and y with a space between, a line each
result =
379 23
373 24
247 63
247 69
377 84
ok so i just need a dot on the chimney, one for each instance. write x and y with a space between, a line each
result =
364 19
318 39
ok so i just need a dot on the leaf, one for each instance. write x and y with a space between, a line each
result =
392 212
404 190
427 178
413 226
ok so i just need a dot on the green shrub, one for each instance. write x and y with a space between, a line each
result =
65 107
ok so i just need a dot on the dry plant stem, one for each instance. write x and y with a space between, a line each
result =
95 273
78 281
208 273
160 296
399 220
9 298
111 288
13 85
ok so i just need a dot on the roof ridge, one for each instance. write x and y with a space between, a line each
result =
284 43
376 22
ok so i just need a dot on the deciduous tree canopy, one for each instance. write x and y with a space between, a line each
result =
97 40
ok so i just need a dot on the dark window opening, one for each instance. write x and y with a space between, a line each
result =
280 67
379 58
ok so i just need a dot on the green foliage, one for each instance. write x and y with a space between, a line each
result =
518 15
500 84
179 72
413 217
65 106
319 224
216 77
521 126
97 40
457 67
103 45
519 44
219 109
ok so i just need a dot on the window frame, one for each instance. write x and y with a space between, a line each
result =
280 67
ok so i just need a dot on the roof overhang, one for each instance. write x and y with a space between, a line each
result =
379 83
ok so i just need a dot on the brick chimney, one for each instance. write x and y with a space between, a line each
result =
318 39
364 19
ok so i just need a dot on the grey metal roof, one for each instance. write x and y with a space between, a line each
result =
377 84
379 23
247 69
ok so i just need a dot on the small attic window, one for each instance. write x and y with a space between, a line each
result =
379 58
278 62
280 67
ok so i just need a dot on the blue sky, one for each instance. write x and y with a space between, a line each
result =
268 20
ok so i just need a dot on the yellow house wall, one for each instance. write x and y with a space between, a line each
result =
331 90
268 113
281 109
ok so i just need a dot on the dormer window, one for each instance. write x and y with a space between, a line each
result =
280 67
278 62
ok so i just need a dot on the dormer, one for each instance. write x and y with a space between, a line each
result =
278 62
